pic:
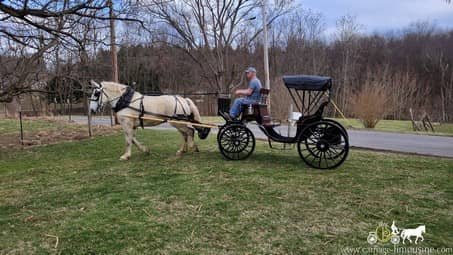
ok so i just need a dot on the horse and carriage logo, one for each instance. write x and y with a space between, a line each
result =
385 234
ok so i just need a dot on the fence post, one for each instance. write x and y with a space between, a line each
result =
89 120
70 109
112 116
21 129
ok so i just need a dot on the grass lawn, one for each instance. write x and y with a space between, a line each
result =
270 203
402 126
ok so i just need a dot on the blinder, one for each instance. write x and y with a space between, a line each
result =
97 97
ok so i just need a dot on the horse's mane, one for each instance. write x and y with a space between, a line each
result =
113 85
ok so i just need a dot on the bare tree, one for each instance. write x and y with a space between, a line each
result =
347 36
208 31
37 26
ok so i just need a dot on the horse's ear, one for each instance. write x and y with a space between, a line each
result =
95 84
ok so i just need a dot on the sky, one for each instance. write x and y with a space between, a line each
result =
383 15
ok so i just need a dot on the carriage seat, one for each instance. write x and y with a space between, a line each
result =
260 109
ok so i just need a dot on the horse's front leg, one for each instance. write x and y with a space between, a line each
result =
409 238
138 144
128 128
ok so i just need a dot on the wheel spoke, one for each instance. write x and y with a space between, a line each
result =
323 145
236 142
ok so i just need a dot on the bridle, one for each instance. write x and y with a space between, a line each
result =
99 94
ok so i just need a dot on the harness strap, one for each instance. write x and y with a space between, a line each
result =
142 112
176 107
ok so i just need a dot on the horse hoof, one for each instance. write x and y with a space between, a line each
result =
146 151
124 158
179 153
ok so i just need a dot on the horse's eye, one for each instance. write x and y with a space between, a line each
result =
97 93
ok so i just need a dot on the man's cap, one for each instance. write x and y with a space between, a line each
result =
250 70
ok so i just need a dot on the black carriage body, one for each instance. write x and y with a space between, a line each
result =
310 94
322 143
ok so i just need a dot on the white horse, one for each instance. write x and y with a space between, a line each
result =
163 106
417 232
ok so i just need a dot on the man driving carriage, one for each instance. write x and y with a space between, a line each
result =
252 93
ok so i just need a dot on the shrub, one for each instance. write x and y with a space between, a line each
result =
370 104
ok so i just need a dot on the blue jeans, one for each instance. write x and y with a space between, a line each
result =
236 108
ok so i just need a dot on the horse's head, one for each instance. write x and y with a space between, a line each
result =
97 96
423 228
105 93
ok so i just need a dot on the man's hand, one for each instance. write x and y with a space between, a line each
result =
244 92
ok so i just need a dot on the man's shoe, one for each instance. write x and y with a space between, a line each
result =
227 116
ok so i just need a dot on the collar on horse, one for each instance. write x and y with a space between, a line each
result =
124 100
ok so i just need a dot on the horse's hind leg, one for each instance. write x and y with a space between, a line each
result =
191 140
183 147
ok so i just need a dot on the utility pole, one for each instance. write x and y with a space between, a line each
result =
113 42
266 50
265 45
113 53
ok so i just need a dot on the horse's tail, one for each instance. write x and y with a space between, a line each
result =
203 132
194 110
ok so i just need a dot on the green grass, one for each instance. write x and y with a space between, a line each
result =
271 203
401 126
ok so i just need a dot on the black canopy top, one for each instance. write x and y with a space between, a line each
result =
307 82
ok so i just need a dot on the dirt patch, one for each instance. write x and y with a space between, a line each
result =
52 132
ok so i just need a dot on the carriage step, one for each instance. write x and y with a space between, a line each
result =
284 146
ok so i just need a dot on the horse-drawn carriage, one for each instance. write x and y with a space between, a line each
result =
322 143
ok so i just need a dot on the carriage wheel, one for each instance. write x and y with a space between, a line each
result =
338 124
323 145
236 142
219 131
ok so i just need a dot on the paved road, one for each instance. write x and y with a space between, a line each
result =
407 143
